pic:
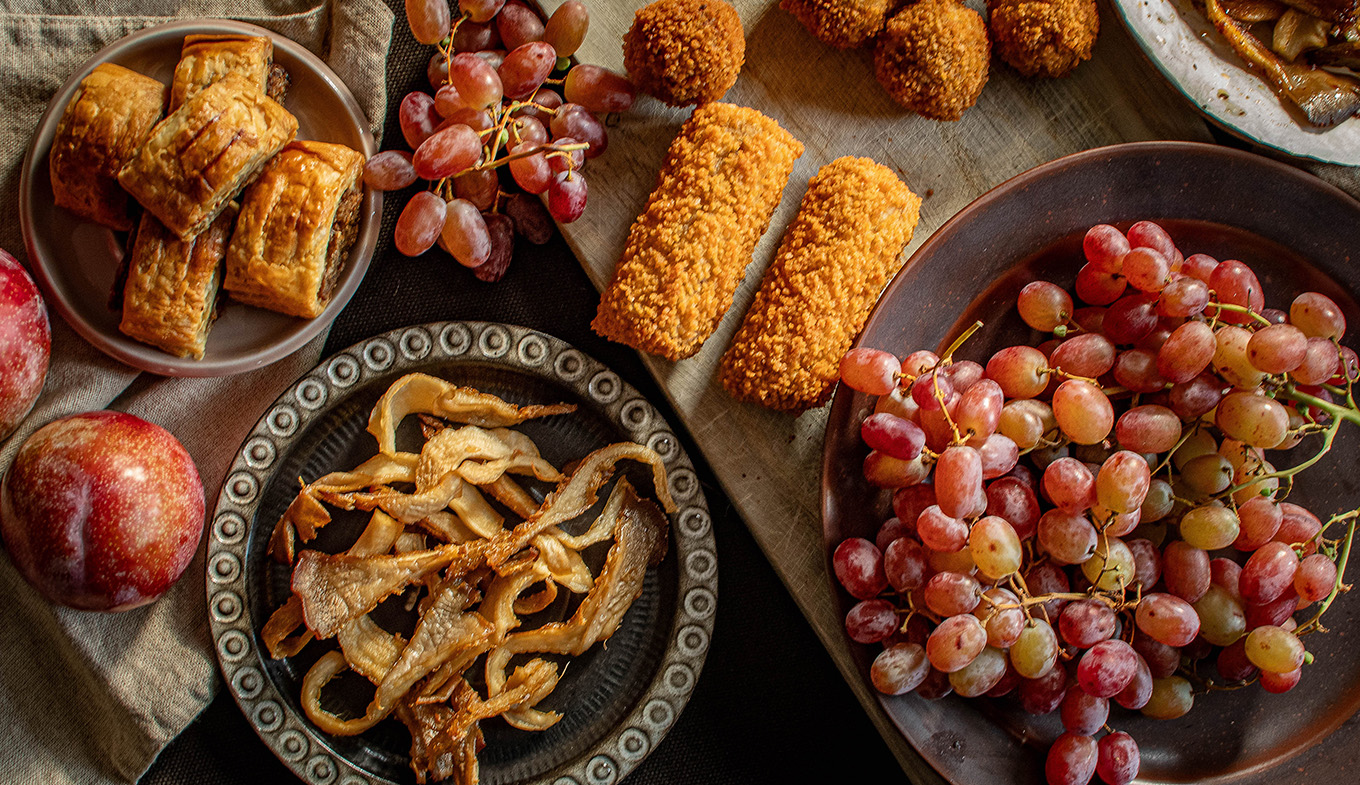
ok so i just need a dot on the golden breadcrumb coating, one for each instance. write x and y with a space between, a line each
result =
686 253
839 252
1044 37
685 52
932 58
844 24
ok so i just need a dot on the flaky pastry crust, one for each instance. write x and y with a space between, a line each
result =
170 297
201 156
109 117
297 222
206 58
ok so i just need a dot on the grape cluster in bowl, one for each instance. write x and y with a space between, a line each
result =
1094 519
505 94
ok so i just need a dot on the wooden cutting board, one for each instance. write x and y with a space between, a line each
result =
769 463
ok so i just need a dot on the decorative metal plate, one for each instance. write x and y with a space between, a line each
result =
618 699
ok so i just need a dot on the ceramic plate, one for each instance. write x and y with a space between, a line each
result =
618 699
1298 235
74 261
1198 61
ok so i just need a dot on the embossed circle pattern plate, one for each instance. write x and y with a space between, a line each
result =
618 700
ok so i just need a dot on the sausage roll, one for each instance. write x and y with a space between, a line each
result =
721 181
170 295
109 117
201 156
206 58
839 252
297 223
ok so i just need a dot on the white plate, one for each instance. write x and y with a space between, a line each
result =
1197 60
74 261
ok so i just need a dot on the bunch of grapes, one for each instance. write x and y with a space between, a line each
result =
1094 519
506 93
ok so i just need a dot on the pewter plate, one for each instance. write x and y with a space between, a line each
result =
618 699
1198 62
74 261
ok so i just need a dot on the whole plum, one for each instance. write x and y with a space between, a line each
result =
25 343
101 511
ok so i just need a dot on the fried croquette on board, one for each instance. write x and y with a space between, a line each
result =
839 252
686 253
844 24
685 52
932 58
1043 37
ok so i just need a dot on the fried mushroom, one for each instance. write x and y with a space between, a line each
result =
1044 37
685 52
932 58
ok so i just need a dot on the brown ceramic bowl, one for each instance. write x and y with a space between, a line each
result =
1298 234
74 261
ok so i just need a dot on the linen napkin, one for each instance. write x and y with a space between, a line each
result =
88 697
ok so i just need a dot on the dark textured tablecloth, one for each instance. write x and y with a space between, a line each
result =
769 706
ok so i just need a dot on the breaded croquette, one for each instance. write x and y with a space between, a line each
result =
839 252
686 253
844 24
932 58
1043 37
685 52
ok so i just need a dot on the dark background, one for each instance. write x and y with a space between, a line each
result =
769 706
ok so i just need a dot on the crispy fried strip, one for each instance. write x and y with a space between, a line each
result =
418 392
640 540
459 450
370 650
338 588
508 492
377 537
285 619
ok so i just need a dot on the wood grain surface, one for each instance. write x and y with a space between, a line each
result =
770 463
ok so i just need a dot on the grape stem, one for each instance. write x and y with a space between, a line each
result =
1236 309
1315 623
959 341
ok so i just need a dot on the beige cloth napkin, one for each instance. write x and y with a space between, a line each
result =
89 697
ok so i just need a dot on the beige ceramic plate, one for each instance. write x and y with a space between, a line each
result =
1197 60
74 261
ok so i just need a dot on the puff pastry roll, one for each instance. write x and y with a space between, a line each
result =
206 58
297 222
170 295
201 156
109 117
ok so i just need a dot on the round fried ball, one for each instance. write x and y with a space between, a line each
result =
844 24
932 58
1044 37
685 52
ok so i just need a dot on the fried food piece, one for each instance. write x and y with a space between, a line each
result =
1044 37
840 251
844 24
932 58
685 52
723 176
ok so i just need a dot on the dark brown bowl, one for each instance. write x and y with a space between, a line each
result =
1298 234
